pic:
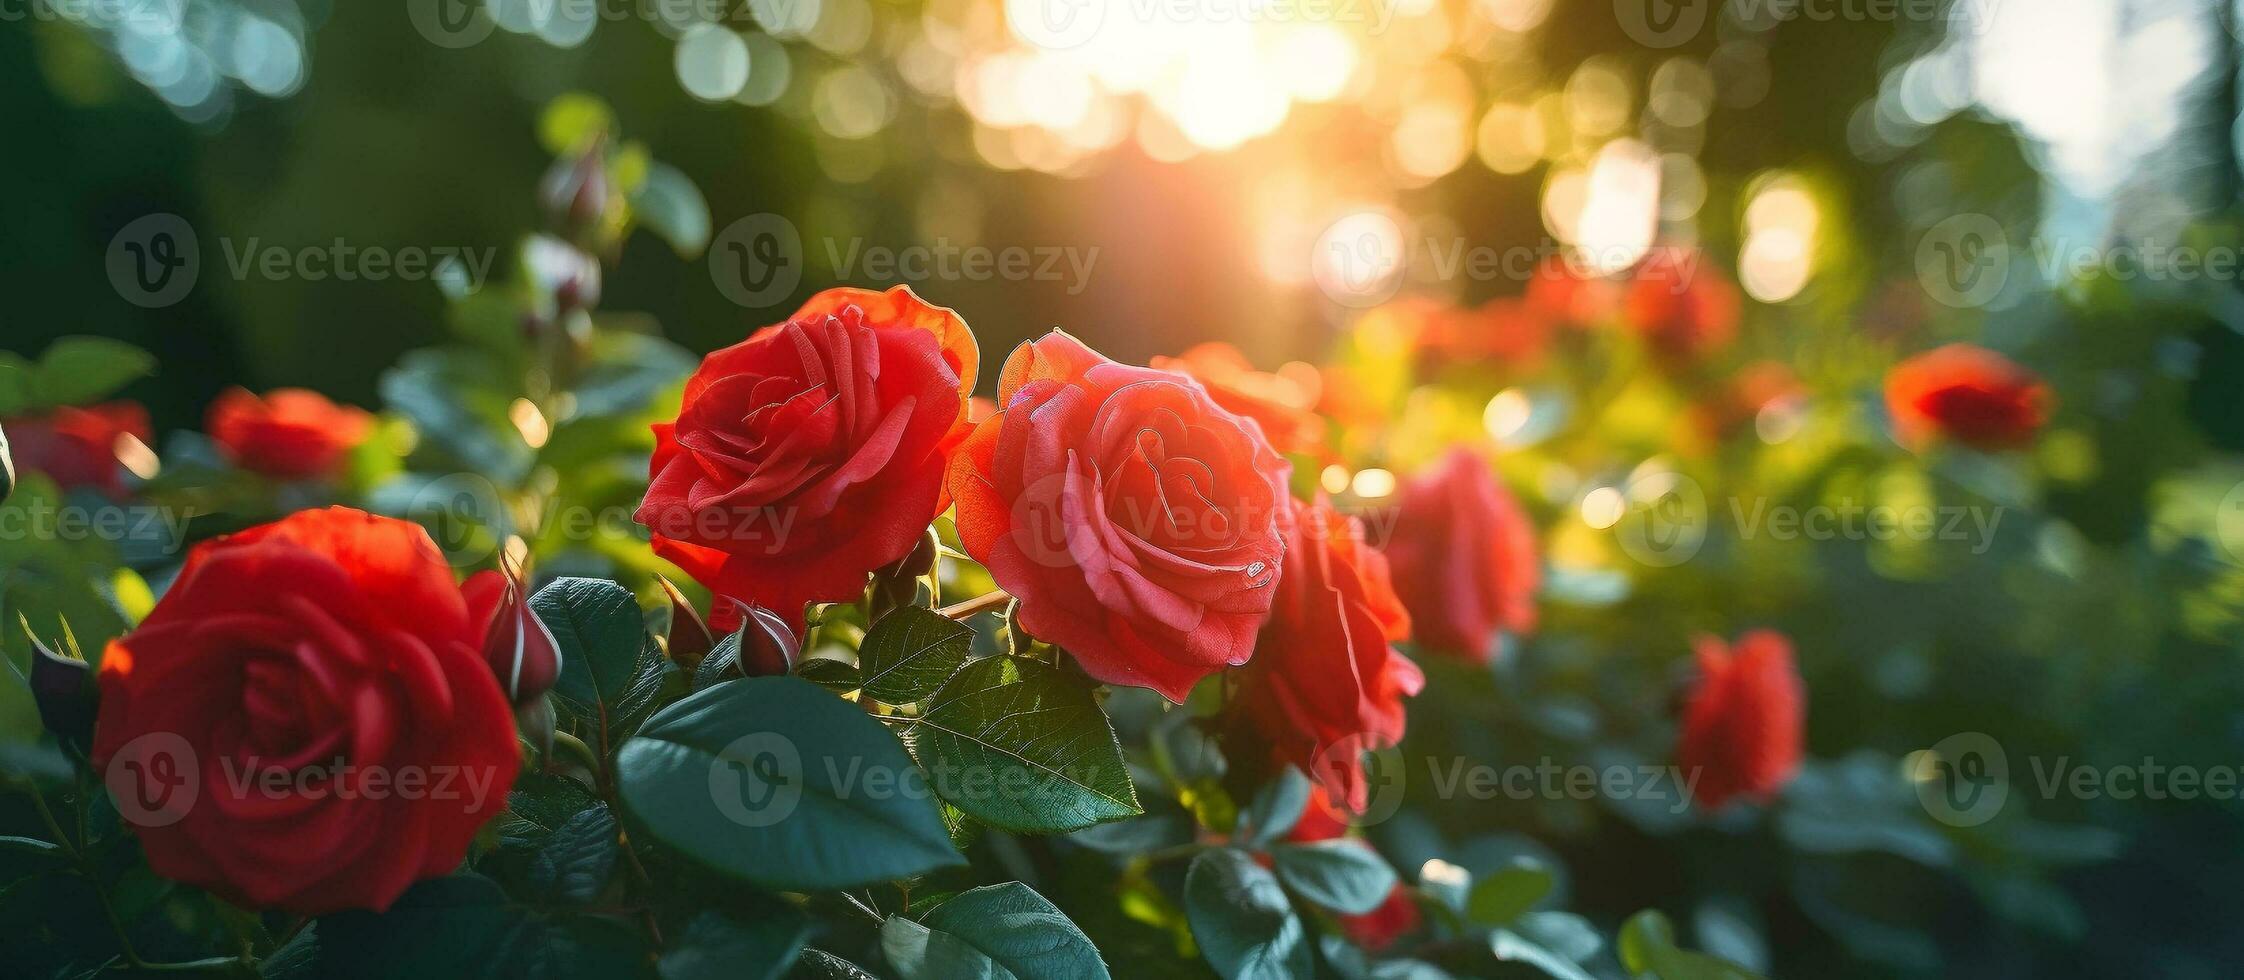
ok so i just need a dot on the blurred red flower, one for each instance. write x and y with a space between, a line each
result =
77 447
1506 332
289 434
1557 291
303 722
1744 722
1326 684
812 453
1681 306
1283 403
1139 523
1969 394
1464 559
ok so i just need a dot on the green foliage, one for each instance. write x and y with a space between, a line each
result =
910 652
1342 875
612 673
73 371
1241 919
718 946
1000 932
1022 746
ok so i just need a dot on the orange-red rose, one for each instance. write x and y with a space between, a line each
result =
1969 394
1680 306
304 722
812 453
1463 555
1743 724
77 447
290 434
1326 684
1138 522
1283 403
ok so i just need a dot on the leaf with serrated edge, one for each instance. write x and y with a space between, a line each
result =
910 653
1021 746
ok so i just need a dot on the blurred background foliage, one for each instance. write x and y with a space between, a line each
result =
1807 157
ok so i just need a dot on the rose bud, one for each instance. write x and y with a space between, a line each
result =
1137 520
289 434
63 689
763 646
690 638
521 650
78 447
256 728
574 193
1744 723
1463 557
1968 394
898 584
812 453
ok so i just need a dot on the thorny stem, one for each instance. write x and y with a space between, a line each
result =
988 602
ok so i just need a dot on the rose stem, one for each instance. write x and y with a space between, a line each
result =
989 602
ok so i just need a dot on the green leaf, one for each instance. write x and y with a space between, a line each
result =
611 669
717 946
817 964
1345 876
720 664
578 857
1240 917
1564 933
1010 926
673 207
624 372
1509 893
911 652
539 804
1276 807
838 676
78 370
463 926
1647 949
19 385
771 781
1022 746
1514 948
450 397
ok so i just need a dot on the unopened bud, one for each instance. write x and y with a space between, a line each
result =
517 644
690 637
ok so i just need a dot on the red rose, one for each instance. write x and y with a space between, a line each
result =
1327 686
290 434
1374 930
1681 306
1284 403
1969 394
78 447
1742 727
1556 290
1503 332
1463 555
304 723
812 453
1136 520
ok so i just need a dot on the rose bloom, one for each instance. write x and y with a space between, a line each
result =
1463 554
1681 306
1327 684
304 722
1743 723
1138 522
1283 403
1377 929
290 434
1557 291
1969 394
812 453
77 447
1504 332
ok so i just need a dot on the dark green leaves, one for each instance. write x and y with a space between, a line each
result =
1001 931
772 781
1345 876
1020 745
1509 893
611 670
578 856
910 653
73 371
1647 948
1241 919
463 926
717 946
1276 808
